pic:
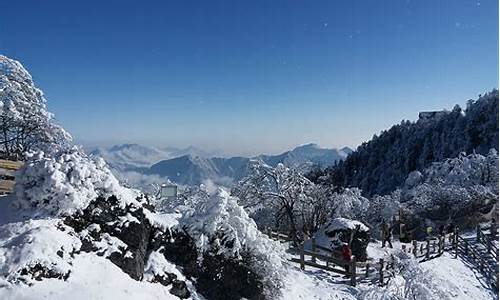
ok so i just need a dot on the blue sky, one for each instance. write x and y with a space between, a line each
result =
250 76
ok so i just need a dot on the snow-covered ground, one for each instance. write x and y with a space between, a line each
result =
457 279
314 284
93 277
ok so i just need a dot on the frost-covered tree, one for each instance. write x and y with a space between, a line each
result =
381 165
64 182
25 122
455 187
349 203
279 196
219 226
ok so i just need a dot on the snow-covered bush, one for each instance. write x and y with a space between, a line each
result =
65 182
222 227
24 120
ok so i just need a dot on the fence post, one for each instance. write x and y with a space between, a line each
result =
488 243
421 248
433 246
478 232
381 272
353 270
414 243
456 241
427 254
302 264
466 246
313 248
269 233
367 270
440 242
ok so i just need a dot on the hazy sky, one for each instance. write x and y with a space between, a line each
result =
250 76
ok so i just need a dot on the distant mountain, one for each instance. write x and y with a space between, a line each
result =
134 157
193 170
306 156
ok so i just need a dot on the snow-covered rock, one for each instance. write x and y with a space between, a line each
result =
221 229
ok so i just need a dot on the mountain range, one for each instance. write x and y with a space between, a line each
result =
192 166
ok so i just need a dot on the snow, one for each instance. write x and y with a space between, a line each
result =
458 279
343 224
157 264
217 223
314 285
93 277
65 182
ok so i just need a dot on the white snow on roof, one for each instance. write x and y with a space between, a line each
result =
343 223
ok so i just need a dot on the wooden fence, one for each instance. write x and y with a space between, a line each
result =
456 244
432 246
486 240
7 175
327 259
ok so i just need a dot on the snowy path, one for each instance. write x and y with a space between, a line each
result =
458 278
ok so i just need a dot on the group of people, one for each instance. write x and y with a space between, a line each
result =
387 229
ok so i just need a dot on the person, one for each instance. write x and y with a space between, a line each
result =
402 233
386 234
493 227
441 230
450 230
347 255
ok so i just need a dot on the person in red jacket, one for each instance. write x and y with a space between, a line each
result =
347 254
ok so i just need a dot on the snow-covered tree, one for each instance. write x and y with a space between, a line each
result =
281 195
25 122
65 182
220 226
381 165
349 203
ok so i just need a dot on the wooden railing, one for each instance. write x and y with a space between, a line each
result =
486 241
379 271
490 271
7 175
435 246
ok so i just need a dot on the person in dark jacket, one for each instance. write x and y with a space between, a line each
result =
386 234
450 230
347 255
493 227
441 230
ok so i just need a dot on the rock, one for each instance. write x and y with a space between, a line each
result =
105 216
215 276
179 289
39 271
